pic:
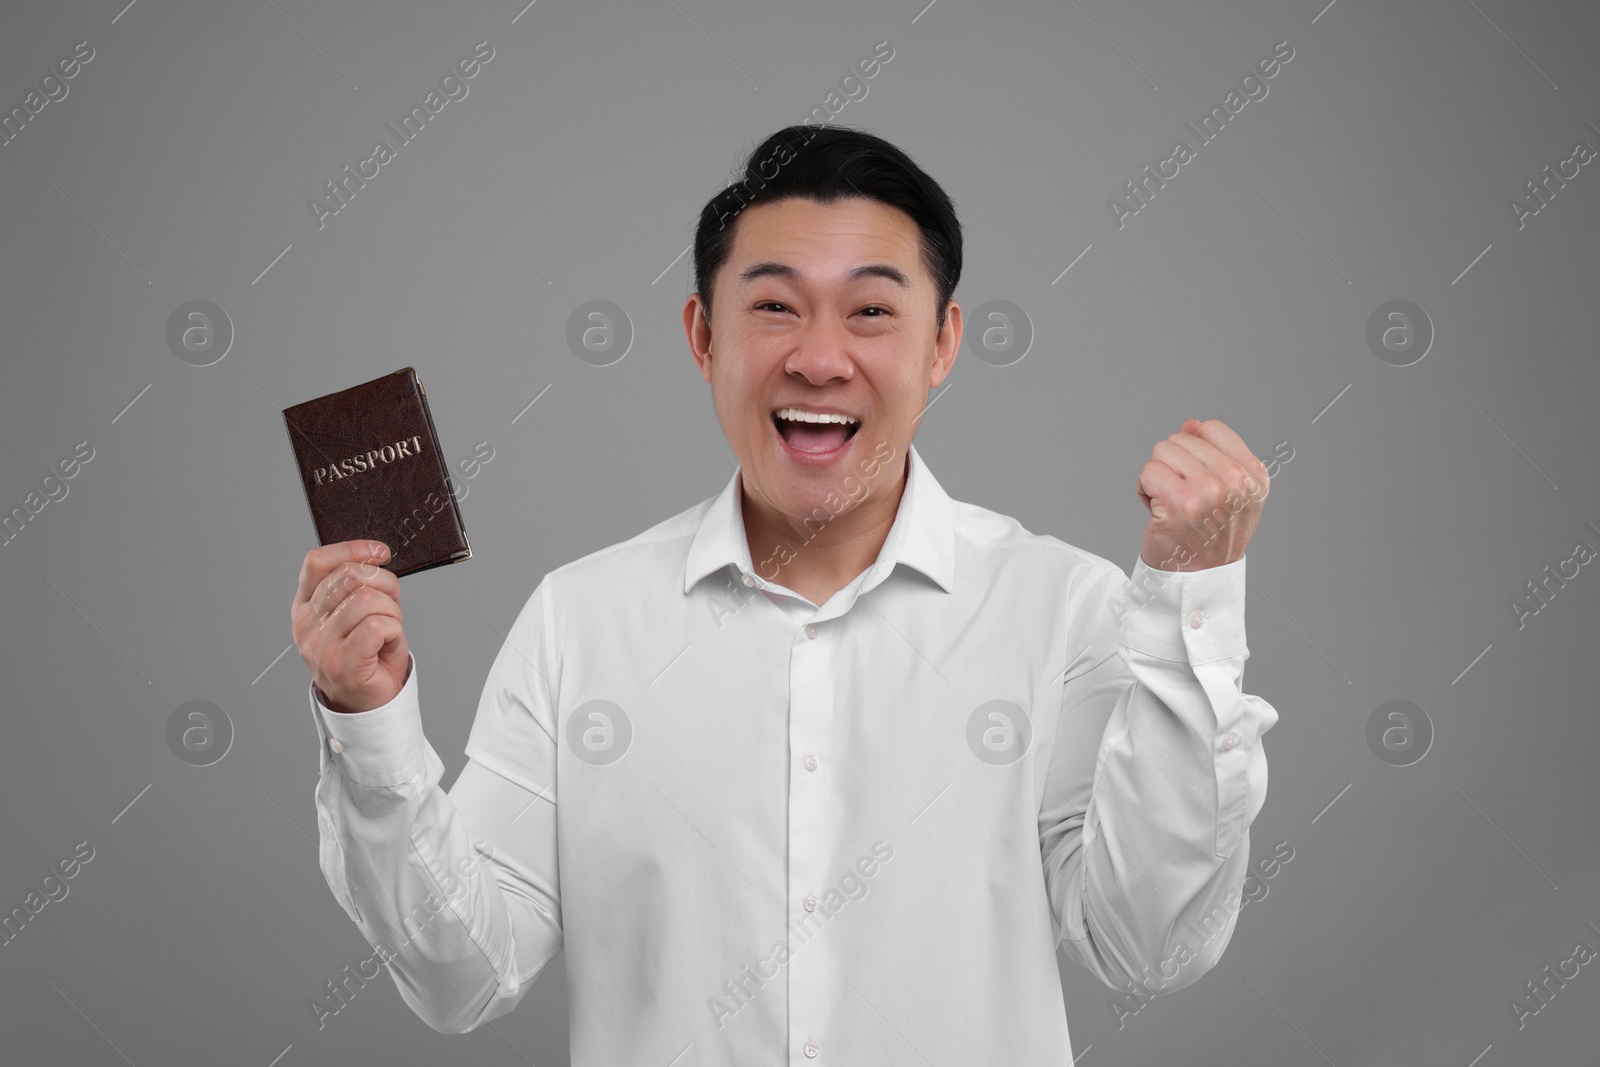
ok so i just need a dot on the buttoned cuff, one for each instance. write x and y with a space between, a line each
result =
1187 616
382 746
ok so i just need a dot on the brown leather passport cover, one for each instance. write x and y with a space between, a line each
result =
370 460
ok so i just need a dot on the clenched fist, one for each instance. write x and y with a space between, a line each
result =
1205 491
346 617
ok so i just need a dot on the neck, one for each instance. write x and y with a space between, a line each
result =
816 556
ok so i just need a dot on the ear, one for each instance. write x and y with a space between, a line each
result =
698 333
946 345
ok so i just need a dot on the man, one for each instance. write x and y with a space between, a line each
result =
824 768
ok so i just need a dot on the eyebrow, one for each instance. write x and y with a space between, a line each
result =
771 268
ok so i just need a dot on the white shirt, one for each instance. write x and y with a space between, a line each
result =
857 833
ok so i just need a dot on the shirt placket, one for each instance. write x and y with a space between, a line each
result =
812 837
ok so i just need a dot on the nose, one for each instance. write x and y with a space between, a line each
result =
821 354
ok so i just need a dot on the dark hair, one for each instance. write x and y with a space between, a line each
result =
826 164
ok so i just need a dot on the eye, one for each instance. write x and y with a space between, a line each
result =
882 311
770 304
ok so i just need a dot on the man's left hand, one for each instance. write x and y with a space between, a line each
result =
1205 491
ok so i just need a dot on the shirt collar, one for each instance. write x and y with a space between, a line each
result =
923 533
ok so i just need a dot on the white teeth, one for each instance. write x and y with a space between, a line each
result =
797 415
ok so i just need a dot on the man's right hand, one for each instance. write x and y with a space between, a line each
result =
346 623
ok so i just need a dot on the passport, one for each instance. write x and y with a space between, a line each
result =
370 461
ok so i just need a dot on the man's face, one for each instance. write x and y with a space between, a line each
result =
827 308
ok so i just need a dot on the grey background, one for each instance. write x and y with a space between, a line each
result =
1418 502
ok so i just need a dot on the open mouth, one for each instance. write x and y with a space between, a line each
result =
808 432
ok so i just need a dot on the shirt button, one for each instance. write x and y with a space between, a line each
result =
811 630
1229 740
811 1049
1195 618
749 580
811 763
333 743
810 903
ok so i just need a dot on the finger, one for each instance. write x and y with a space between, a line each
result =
1188 455
1157 481
320 561
1215 462
369 636
346 579
350 607
1231 444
